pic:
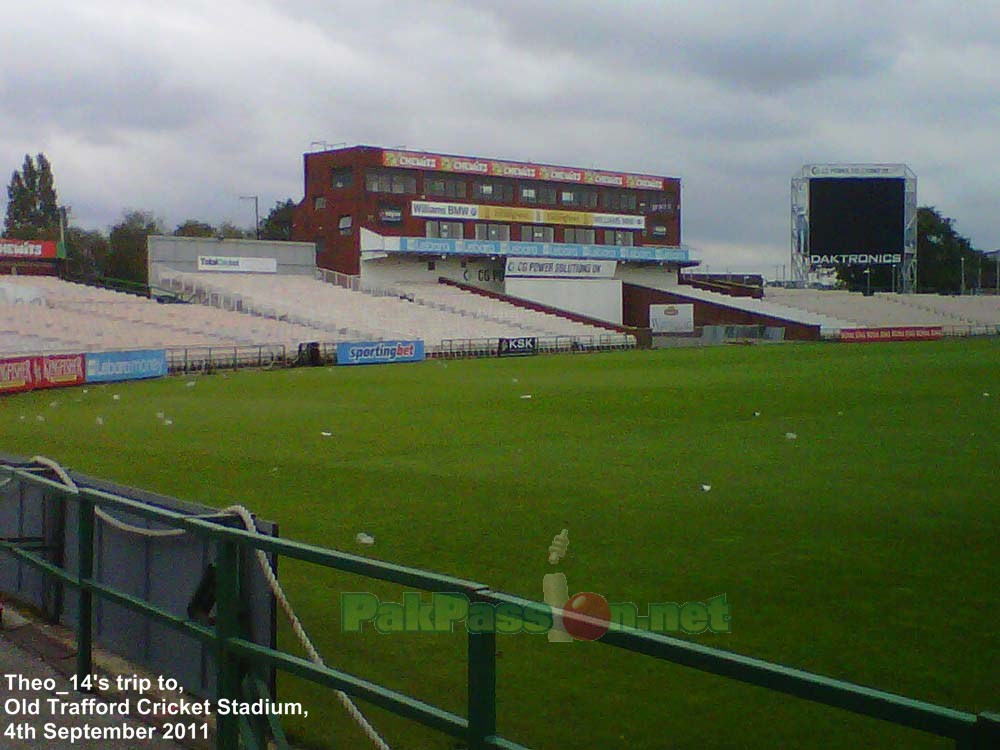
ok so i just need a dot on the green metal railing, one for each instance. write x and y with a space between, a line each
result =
238 659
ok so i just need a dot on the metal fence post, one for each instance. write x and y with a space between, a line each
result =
85 609
227 625
482 688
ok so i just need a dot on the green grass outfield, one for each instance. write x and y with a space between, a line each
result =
866 549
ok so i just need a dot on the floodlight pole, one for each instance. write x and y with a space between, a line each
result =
256 213
962 287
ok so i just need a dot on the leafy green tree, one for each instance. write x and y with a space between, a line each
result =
940 250
86 252
278 223
127 257
229 231
194 228
32 206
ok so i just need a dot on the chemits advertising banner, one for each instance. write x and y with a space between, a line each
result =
105 367
466 165
30 373
379 352
29 249
908 333
671 318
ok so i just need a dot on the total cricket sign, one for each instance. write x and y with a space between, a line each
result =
524 346
235 264
30 249
671 318
379 352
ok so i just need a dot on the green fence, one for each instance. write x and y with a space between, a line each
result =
239 660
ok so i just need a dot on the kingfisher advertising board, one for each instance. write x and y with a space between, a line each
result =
379 352
30 373
106 367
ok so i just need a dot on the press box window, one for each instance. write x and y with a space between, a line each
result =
620 200
578 197
446 187
537 234
493 232
451 230
576 234
390 181
342 177
344 224
618 237
319 203
496 191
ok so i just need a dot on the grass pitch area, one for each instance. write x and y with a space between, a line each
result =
864 548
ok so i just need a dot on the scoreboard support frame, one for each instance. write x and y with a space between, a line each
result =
905 273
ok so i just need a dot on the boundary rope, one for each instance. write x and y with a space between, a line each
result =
286 607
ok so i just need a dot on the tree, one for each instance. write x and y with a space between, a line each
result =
32 207
229 231
127 258
940 250
278 224
194 228
86 252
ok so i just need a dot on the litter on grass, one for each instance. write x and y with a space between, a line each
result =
363 538
791 435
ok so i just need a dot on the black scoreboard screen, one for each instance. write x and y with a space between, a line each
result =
855 217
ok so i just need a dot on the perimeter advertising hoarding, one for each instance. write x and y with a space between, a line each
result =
51 371
907 333
106 367
671 318
379 352
524 346
29 249
856 220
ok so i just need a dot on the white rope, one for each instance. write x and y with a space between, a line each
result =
301 634
265 567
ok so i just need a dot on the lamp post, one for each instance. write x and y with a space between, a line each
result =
868 281
256 213
962 287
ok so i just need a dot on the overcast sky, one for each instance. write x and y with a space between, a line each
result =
182 107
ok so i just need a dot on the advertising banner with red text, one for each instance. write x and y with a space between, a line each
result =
898 333
50 371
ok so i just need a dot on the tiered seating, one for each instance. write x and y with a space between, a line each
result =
979 311
530 322
407 315
881 310
75 317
